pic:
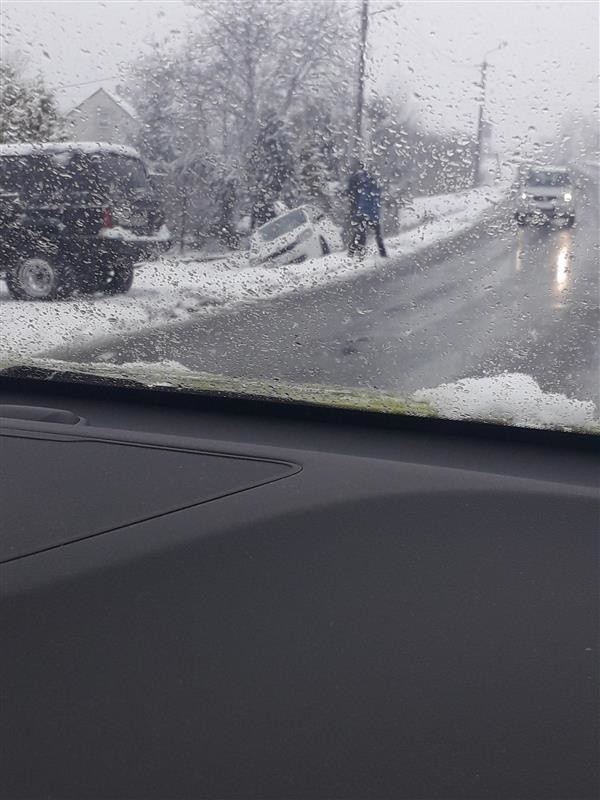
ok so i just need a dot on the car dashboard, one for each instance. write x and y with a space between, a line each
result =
220 598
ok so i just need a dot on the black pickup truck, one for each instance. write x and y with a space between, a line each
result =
75 216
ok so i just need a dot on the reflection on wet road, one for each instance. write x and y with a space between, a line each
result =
500 299
550 247
562 263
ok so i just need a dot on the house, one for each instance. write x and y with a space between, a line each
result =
102 117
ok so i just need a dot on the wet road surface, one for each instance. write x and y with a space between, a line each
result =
501 298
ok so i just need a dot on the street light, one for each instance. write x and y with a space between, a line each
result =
482 86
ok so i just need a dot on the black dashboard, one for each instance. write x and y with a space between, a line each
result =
218 598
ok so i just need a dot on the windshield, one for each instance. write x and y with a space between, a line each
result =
285 224
548 179
154 154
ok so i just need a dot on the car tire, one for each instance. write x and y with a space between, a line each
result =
40 277
117 278
521 219
570 220
325 249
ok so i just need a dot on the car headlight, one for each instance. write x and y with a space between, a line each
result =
523 196
567 197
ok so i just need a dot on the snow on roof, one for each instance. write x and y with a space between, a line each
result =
69 98
112 95
125 105
90 148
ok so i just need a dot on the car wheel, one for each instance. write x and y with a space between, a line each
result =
40 278
325 249
521 219
570 220
117 278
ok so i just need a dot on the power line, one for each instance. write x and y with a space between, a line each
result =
87 83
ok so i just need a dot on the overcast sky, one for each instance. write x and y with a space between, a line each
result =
427 52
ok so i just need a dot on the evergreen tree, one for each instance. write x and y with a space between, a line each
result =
28 111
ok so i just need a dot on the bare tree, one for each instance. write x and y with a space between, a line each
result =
263 58
257 104
246 69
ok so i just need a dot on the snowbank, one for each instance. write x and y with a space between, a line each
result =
127 235
423 209
511 398
172 289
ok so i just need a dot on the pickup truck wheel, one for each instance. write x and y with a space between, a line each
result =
40 278
117 278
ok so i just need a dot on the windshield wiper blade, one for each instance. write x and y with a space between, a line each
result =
36 372
152 377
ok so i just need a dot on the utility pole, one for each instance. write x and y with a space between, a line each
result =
184 214
479 150
480 114
362 60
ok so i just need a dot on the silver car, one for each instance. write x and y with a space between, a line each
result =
546 193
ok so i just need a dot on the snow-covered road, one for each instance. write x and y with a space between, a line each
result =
172 289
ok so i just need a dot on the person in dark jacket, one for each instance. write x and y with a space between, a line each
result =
365 210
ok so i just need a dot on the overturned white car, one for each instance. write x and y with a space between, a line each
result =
297 235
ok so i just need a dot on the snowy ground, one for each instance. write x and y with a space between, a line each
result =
173 288
510 398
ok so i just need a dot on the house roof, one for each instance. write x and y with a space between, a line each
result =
123 104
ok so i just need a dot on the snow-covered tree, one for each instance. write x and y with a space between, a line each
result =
28 111
264 63
260 97
270 167
153 88
320 147
235 90
271 56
